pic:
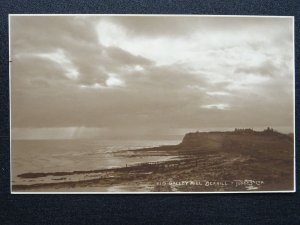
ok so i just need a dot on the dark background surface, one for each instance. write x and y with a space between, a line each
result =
207 209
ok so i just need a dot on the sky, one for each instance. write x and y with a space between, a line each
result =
126 77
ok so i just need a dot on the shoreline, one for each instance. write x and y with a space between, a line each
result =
258 161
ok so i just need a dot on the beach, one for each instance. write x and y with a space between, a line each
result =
213 165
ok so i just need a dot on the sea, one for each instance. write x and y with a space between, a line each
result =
44 156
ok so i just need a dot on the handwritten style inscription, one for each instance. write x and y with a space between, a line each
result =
235 183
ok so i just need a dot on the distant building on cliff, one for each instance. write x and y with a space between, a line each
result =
268 130
244 131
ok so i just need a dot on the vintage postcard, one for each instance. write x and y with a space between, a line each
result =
151 104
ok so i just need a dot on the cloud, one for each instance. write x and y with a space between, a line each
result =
112 81
174 26
266 68
218 93
221 106
150 74
119 56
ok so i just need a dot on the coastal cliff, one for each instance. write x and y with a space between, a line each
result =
245 141
220 158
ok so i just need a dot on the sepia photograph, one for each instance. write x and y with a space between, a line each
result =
151 104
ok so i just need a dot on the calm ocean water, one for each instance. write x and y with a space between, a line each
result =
70 155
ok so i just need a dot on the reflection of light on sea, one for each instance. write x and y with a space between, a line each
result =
73 155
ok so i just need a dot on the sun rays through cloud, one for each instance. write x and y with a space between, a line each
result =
150 74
